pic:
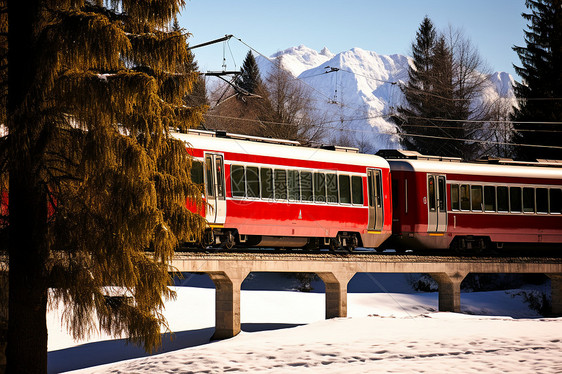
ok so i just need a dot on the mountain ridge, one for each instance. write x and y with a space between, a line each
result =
361 88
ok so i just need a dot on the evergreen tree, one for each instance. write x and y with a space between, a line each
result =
249 79
95 180
445 78
411 118
442 90
541 82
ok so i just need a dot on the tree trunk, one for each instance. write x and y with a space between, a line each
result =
3 318
28 277
28 248
27 325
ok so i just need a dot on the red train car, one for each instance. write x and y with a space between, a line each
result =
274 193
442 203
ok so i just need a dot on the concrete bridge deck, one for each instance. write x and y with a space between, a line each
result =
228 271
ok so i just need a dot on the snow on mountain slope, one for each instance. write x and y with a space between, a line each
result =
296 60
357 90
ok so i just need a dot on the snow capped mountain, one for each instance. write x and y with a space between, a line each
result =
296 60
357 90
503 83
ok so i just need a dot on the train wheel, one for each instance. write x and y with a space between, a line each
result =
228 240
335 243
352 243
313 244
208 238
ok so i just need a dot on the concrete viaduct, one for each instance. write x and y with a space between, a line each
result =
228 271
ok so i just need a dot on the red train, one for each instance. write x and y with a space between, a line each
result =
274 193
442 203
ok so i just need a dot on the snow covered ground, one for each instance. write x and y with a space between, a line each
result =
285 331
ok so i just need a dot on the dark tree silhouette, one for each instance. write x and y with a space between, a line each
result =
93 177
540 89
250 78
445 80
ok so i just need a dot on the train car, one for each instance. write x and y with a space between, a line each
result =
273 193
444 203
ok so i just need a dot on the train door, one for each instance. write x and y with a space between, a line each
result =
215 188
374 187
436 203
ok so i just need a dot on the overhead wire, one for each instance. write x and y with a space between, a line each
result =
398 83
388 132
292 77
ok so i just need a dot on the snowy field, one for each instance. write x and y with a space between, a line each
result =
397 330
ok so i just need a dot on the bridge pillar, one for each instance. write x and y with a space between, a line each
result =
227 302
556 293
449 290
336 292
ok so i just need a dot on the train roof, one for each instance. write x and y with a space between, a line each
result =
235 143
414 161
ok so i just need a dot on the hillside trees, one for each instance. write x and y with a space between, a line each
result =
279 106
445 79
289 110
238 106
541 82
95 180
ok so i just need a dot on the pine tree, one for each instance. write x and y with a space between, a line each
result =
441 106
541 82
445 78
249 79
419 103
95 179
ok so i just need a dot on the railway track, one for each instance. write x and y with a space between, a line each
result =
369 256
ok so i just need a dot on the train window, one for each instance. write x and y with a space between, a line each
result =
528 200
431 192
280 178
542 200
476 194
503 199
220 176
515 199
332 188
196 172
252 181
237 181
378 182
465 197
345 192
455 197
210 176
266 181
442 195
357 190
555 201
306 186
294 185
489 198
320 187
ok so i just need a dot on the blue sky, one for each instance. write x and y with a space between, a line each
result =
383 26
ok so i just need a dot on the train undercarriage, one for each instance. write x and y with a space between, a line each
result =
230 239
